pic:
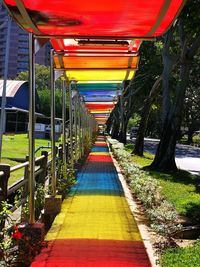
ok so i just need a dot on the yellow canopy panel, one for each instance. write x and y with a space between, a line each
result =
100 75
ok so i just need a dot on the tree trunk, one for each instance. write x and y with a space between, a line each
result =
139 142
165 154
115 129
109 123
190 135
168 64
122 134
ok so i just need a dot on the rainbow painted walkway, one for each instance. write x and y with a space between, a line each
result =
95 227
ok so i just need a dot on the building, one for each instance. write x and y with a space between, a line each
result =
17 111
18 53
17 105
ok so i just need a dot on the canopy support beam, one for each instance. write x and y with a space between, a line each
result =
31 128
71 125
64 126
3 101
53 115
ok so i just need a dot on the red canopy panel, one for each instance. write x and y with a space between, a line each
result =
100 106
96 45
96 62
125 19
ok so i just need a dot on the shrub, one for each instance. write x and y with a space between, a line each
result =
162 214
64 180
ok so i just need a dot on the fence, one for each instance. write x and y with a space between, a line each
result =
42 163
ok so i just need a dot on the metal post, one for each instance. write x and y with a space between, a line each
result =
31 128
71 125
64 125
73 129
75 126
91 127
83 129
79 128
53 138
121 108
3 99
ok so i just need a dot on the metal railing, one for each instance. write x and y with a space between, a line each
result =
42 164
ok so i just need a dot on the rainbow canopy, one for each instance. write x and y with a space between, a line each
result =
104 96
96 43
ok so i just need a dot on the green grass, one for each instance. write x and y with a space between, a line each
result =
182 257
16 146
142 161
196 140
180 188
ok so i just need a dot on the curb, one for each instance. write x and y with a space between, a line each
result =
134 209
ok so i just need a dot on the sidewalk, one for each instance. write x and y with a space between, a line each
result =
95 227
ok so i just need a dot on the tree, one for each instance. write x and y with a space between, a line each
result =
42 81
135 92
139 142
191 108
42 77
181 45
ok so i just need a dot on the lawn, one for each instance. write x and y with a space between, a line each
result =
16 146
180 188
182 257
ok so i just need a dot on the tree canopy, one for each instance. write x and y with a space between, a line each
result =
42 81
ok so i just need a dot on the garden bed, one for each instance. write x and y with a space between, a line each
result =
164 197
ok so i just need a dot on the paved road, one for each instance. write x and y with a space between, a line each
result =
187 157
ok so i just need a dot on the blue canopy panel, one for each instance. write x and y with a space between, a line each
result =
99 98
96 114
98 93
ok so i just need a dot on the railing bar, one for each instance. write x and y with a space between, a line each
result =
20 166
16 186
39 158
38 172
22 201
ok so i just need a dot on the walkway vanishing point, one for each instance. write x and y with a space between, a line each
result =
95 227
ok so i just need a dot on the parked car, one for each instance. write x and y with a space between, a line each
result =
133 132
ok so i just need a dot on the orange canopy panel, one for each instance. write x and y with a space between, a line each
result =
78 46
114 19
90 61
101 122
102 117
